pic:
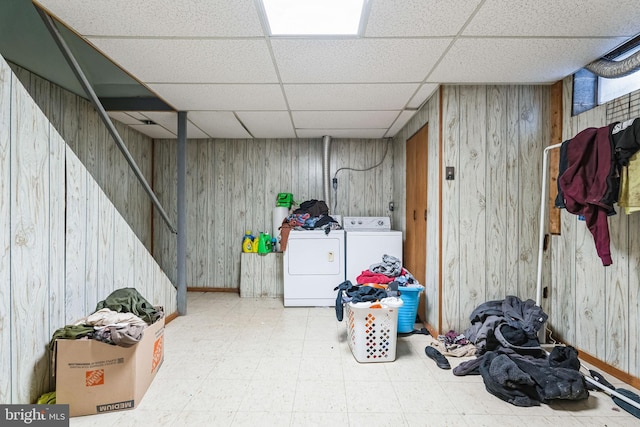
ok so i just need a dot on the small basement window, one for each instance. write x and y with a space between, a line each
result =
590 90
609 89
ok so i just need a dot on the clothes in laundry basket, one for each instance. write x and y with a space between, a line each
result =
390 266
355 294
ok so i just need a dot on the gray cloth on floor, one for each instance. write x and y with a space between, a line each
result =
525 380
485 319
390 266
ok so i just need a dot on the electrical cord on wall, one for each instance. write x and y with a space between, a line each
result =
334 181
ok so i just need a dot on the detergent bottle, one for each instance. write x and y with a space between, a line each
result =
247 242
255 244
264 243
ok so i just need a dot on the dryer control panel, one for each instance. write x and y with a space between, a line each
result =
366 223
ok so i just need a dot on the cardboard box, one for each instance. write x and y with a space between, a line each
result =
94 377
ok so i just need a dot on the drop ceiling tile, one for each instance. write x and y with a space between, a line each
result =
228 97
136 115
349 96
341 133
154 131
402 120
418 18
356 60
424 93
520 60
268 124
195 18
218 124
552 18
169 121
123 117
343 119
158 60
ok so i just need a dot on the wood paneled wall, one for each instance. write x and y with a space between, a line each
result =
80 125
427 116
64 246
494 137
596 308
232 185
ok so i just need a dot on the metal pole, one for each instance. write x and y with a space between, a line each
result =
182 213
326 179
71 60
543 210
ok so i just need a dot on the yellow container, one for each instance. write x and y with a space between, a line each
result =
247 242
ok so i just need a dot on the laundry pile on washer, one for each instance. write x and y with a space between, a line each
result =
388 271
311 215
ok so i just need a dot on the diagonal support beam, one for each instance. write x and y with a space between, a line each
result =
77 70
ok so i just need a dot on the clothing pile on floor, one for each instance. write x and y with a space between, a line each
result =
513 365
454 344
120 320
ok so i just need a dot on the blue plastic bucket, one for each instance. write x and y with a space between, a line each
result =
410 296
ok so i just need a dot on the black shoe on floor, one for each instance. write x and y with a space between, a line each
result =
434 354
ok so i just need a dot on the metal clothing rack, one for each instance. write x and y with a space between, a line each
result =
543 211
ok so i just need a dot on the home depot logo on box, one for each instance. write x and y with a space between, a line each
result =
95 377
157 353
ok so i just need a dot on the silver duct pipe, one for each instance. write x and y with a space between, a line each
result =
614 69
326 179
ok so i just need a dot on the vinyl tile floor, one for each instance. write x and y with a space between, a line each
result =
235 361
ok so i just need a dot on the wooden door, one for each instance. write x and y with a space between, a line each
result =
415 247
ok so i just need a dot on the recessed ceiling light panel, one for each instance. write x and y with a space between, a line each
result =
314 17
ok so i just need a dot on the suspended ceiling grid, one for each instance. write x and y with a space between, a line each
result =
214 59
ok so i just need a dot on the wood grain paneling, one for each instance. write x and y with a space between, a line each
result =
471 185
512 185
596 308
29 233
76 238
6 352
56 282
78 123
493 136
261 276
60 234
497 191
451 237
233 184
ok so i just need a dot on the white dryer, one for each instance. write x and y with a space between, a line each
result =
313 265
368 238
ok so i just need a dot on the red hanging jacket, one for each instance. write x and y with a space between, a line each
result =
589 183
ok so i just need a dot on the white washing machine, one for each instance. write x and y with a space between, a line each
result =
368 238
313 265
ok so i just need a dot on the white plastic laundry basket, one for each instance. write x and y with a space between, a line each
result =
372 329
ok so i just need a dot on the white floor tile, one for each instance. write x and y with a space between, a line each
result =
320 396
235 361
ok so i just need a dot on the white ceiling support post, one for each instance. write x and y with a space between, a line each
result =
182 213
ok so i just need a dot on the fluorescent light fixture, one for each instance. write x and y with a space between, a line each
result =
314 17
